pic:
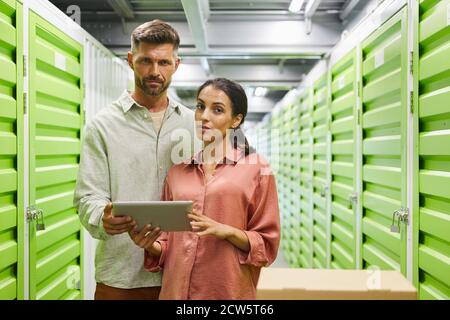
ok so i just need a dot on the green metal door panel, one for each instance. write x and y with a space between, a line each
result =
320 119
55 123
341 189
294 183
283 179
384 176
343 149
305 178
11 155
383 116
433 263
304 249
434 40
56 286
384 93
342 212
58 229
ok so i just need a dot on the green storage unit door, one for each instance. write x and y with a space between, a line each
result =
284 176
277 164
55 123
343 212
320 131
294 185
384 82
263 140
305 177
11 157
434 150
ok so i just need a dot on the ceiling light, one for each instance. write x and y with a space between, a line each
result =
296 5
260 92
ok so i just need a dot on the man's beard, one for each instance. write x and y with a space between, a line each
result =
141 83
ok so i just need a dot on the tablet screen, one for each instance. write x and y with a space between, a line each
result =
167 215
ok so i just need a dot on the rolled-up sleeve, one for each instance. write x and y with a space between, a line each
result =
92 192
153 263
263 230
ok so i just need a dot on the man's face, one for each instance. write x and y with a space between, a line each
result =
153 66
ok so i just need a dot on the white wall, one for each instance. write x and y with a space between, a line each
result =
105 77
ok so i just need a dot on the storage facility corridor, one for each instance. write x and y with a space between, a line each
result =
348 101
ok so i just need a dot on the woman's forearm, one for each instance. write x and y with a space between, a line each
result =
239 239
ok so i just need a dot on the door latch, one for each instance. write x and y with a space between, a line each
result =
353 197
34 213
402 216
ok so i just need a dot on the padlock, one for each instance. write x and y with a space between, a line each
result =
395 228
40 225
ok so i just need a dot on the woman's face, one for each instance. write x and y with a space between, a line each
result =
214 114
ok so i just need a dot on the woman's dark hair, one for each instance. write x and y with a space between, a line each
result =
238 98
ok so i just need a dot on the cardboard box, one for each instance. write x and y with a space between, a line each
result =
321 284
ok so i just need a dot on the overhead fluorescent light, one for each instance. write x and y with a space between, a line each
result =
260 92
296 5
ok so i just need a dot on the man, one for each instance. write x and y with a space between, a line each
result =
125 155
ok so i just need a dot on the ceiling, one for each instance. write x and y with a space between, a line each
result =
258 43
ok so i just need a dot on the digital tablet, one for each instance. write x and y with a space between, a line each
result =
167 215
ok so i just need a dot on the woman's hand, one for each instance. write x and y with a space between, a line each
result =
146 238
204 225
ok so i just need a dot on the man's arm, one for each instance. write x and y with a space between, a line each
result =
92 192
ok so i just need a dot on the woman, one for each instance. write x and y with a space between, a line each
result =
235 218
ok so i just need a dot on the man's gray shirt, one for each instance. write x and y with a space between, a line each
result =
123 158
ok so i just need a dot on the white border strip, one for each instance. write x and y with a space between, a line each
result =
328 174
311 172
358 155
26 156
412 7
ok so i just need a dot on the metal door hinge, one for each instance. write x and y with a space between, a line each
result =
411 62
25 71
25 107
323 191
411 100
84 116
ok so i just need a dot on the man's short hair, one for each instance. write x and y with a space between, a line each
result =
156 31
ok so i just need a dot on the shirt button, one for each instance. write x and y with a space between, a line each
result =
145 116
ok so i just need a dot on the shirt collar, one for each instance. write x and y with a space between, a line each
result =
232 157
127 102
